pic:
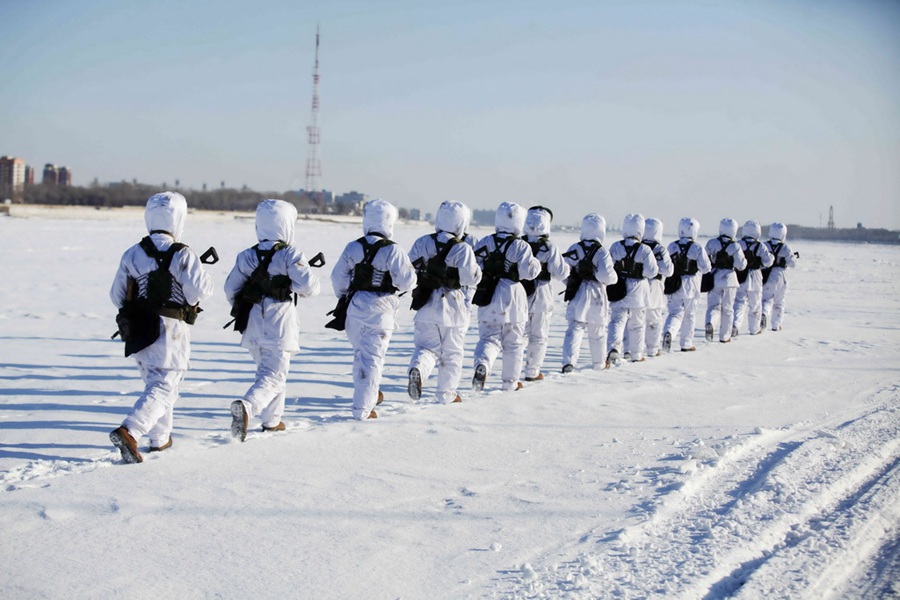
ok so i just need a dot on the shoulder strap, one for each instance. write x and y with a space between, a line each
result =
163 259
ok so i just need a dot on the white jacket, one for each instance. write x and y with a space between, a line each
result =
726 278
656 298
690 284
509 303
165 214
274 324
637 290
590 304
749 245
447 307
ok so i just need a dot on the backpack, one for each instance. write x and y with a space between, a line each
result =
584 269
435 274
723 260
363 279
530 285
493 269
258 286
626 268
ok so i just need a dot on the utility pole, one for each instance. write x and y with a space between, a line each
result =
313 158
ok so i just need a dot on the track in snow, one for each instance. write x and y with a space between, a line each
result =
808 511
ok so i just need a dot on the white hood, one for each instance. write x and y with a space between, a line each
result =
593 227
653 230
537 221
633 227
452 217
778 231
510 218
688 228
275 221
379 216
751 229
728 228
166 212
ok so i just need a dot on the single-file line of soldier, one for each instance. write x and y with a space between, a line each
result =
633 300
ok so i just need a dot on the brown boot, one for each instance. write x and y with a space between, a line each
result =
538 377
372 415
165 446
279 427
380 398
457 399
519 385
127 445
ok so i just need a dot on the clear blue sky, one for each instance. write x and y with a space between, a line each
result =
766 110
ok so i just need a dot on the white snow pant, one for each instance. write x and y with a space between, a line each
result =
621 317
266 396
653 320
538 332
720 310
152 413
750 304
596 341
508 338
682 316
370 346
773 304
437 345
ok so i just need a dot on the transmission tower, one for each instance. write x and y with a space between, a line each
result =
313 158
831 217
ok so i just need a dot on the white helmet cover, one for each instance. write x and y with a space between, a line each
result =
166 211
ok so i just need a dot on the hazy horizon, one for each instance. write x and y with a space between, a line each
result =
761 110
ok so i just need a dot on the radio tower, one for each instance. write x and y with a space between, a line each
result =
313 159
831 217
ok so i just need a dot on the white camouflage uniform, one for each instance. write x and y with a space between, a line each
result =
720 300
162 364
501 324
441 324
273 327
372 316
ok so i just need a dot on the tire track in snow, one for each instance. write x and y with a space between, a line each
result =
723 527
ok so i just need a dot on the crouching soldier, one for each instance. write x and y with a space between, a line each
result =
157 289
748 300
446 267
263 288
590 271
370 273
505 259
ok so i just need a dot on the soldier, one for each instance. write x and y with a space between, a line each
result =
157 289
656 303
726 257
505 259
590 271
539 290
776 285
748 300
635 266
262 288
682 288
367 278
446 267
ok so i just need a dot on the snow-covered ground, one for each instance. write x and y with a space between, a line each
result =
763 468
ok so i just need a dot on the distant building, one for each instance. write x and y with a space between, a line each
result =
29 175
51 175
65 177
415 214
351 201
12 175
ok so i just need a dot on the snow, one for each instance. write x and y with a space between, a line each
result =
767 467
